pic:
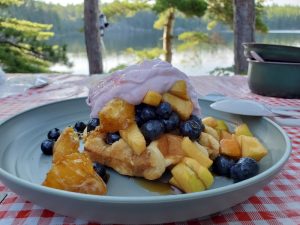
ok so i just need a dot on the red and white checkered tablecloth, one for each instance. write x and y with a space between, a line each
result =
276 203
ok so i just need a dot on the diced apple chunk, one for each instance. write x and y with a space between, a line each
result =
184 108
212 132
187 179
211 143
134 138
203 173
202 148
179 89
221 126
152 98
175 183
192 151
190 176
210 121
216 124
243 129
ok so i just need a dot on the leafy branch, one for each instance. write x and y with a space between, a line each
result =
23 47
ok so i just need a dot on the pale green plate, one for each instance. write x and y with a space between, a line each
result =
23 168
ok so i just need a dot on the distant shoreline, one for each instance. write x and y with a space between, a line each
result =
271 31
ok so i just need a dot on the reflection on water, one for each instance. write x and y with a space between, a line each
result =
198 61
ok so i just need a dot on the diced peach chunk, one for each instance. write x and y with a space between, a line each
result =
152 98
230 147
179 89
184 108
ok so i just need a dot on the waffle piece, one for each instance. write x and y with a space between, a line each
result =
150 164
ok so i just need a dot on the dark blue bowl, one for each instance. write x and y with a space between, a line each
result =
274 79
273 53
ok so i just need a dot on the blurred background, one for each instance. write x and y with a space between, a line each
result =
201 44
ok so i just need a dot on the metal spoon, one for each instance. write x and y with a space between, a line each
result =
251 108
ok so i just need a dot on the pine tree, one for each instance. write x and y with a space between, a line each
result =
92 36
23 47
167 11
244 17
222 11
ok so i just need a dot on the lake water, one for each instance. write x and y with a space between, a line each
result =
201 60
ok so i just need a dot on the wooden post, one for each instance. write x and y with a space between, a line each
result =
167 36
244 28
92 36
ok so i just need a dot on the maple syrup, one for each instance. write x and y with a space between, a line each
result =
161 186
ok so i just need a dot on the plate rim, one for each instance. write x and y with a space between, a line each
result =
146 199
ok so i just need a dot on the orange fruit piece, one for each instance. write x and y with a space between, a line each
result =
75 173
67 143
116 115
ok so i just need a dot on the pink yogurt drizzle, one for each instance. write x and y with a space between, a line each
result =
132 84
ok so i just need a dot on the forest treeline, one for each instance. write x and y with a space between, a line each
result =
68 20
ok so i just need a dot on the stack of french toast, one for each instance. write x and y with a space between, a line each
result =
159 135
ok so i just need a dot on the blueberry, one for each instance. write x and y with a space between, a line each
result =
191 129
54 134
138 108
222 165
101 171
138 112
195 118
47 147
112 137
152 129
79 126
92 124
148 113
164 110
198 120
138 120
171 123
244 169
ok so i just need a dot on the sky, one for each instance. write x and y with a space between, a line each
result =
279 2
